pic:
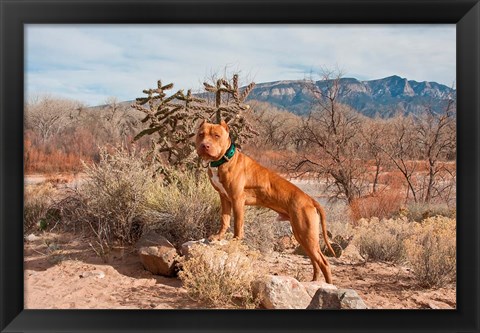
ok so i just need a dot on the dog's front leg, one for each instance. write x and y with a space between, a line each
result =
238 214
226 216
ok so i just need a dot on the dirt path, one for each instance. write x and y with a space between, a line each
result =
63 272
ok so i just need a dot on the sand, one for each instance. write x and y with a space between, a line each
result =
62 271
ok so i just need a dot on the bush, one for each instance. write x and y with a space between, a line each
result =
260 228
188 208
113 193
431 251
384 204
37 200
339 219
220 275
382 240
420 211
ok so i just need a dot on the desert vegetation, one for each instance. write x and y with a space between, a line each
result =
388 184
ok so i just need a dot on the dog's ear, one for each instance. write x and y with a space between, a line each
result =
224 125
201 123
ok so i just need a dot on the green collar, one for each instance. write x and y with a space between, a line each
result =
225 158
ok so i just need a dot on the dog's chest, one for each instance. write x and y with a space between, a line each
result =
216 181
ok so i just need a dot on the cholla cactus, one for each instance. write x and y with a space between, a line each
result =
231 107
173 119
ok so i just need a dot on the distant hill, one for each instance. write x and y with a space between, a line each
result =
383 96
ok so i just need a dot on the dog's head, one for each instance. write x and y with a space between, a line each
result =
212 140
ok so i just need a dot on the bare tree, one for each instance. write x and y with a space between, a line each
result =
374 134
402 150
275 127
47 115
436 137
330 140
117 121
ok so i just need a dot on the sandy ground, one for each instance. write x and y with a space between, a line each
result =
63 272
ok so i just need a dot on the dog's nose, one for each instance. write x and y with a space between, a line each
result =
205 146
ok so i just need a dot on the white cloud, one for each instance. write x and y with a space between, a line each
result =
92 62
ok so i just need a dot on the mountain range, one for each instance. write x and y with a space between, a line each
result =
383 97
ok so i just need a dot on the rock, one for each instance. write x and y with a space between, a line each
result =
300 251
336 299
351 255
98 274
281 292
157 254
32 238
285 243
184 250
312 287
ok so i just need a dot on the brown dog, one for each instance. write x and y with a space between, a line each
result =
242 181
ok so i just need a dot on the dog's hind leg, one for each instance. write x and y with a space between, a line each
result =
318 260
306 231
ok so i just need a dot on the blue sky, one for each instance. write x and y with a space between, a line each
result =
91 63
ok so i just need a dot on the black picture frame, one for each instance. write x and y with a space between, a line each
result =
14 14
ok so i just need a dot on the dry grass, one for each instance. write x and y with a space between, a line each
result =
431 251
382 240
221 276
384 204
427 247
184 210
113 194
37 200
420 211
260 228
339 219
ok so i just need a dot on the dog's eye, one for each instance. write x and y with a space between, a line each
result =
201 135
217 136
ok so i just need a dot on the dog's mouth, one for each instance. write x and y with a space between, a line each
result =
205 155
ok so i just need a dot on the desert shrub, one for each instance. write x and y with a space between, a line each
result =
113 193
420 211
382 240
339 219
260 228
220 275
37 200
431 251
187 208
384 204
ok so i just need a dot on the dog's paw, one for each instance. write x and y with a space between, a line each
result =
215 237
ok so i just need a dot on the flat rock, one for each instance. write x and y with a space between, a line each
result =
157 254
185 248
98 274
32 238
281 292
312 287
336 299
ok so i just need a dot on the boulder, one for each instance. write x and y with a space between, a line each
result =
157 254
185 248
280 292
336 299
312 286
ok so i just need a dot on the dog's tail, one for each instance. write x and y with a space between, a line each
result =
323 223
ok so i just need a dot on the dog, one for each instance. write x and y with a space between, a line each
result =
241 181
